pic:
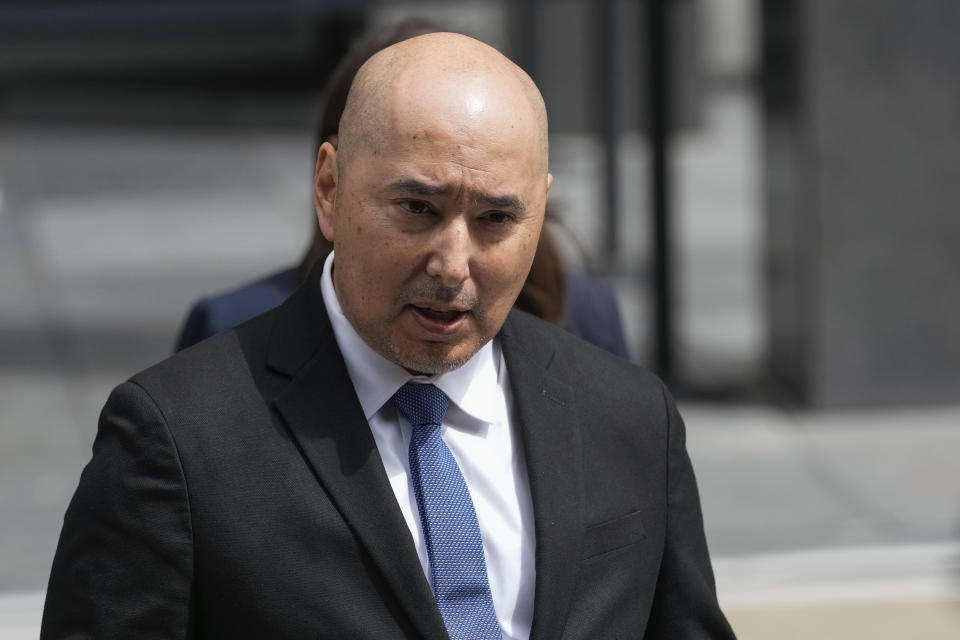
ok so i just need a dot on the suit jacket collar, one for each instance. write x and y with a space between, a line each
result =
547 419
322 412
343 455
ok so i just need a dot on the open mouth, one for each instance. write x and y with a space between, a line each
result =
439 316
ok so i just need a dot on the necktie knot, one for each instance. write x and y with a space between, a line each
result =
422 404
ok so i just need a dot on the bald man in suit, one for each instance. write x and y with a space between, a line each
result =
271 481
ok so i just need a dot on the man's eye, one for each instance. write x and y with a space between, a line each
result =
498 217
415 206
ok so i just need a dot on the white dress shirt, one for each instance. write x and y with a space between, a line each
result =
478 430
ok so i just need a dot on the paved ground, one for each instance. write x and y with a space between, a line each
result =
841 518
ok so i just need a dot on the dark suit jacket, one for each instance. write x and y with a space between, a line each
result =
590 310
236 491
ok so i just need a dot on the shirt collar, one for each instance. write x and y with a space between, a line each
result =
474 387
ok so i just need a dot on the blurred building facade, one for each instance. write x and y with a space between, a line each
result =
862 180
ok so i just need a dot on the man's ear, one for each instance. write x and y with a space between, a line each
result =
325 188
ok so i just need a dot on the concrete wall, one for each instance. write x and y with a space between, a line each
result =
863 186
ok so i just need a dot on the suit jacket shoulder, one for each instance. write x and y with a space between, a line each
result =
574 359
613 486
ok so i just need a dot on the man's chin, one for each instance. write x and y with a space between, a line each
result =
430 365
435 358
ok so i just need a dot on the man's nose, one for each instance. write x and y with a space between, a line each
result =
450 255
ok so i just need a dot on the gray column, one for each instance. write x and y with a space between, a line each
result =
863 190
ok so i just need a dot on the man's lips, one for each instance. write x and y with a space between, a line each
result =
442 319
448 315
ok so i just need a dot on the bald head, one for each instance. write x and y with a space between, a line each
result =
442 80
434 198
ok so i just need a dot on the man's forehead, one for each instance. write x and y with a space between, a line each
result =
475 169
476 143
483 110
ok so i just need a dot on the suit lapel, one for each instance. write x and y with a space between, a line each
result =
548 423
322 412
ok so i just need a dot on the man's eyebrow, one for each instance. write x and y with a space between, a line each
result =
513 203
417 188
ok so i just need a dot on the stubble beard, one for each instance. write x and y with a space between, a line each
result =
432 360
426 357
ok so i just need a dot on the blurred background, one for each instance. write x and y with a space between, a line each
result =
770 186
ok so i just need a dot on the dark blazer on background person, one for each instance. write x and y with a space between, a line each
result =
236 491
590 310
213 314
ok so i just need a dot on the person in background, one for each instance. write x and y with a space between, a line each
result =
585 306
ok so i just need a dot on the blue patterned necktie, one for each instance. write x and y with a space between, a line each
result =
449 520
